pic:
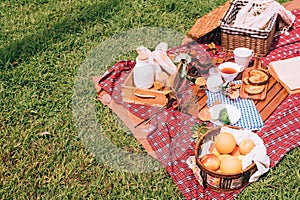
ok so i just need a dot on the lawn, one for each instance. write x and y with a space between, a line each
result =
45 51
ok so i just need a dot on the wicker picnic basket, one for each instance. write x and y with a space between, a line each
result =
215 180
257 40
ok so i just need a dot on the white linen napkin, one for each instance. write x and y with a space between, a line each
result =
160 56
257 17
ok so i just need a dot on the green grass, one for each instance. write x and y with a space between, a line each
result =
42 46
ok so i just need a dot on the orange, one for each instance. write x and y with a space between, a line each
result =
225 142
246 146
231 165
223 156
235 151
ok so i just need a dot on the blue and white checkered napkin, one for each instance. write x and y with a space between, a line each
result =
250 118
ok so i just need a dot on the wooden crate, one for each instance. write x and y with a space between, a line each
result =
151 97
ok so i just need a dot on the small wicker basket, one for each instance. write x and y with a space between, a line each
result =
233 37
215 180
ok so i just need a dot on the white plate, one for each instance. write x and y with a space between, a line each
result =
234 113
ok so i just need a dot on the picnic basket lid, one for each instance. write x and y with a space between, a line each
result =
209 21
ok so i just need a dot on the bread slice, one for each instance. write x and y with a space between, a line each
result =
245 80
258 77
254 89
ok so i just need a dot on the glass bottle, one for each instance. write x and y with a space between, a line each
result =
143 72
214 81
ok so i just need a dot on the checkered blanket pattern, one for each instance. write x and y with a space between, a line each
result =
172 141
281 132
286 46
250 117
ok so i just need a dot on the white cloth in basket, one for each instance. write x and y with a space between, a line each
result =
256 14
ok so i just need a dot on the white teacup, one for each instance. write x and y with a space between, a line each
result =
230 70
242 56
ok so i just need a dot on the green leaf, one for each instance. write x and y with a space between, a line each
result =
223 116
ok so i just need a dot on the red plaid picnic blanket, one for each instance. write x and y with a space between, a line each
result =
172 141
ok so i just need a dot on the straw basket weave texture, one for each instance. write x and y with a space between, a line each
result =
209 22
233 37
215 180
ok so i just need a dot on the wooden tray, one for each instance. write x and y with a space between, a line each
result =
243 94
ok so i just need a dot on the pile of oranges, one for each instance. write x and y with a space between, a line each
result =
225 155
